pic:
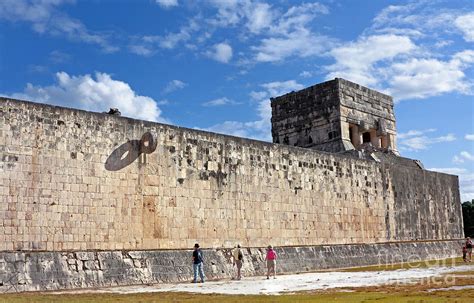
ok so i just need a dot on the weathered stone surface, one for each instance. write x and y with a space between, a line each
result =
333 116
176 265
197 186
91 199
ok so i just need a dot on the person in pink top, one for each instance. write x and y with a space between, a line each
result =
271 262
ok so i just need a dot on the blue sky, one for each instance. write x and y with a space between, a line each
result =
214 64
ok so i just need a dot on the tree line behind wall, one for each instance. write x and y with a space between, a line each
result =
468 218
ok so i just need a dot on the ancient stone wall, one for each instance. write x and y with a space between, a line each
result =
75 180
39 271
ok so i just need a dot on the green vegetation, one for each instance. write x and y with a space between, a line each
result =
468 218
349 297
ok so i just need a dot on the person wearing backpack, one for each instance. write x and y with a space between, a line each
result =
198 265
238 258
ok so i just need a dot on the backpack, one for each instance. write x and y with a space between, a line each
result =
240 256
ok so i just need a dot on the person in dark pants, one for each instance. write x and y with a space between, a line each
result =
198 265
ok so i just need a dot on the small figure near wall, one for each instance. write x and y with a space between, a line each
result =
464 253
469 249
198 264
238 259
271 262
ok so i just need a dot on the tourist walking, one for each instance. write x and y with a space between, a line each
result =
469 249
238 259
271 262
198 265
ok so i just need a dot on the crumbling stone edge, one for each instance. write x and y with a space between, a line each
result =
42 271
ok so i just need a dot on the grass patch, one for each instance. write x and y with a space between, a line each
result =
357 297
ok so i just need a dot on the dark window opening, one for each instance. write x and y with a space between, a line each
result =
310 140
333 134
366 137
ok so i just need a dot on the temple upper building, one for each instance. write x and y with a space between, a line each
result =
335 116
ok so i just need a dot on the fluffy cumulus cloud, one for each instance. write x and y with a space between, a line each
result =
398 53
46 18
469 137
167 3
421 78
259 129
221 52
97 94
356 60
416 140
466 180
174 85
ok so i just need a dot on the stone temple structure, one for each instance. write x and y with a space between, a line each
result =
335 116
95 199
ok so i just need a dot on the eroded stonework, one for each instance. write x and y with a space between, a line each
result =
58 193
335 116
75 183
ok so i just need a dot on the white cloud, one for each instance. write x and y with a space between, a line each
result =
421 78
306 74
469 137
140 49
174 85
391 61
259 129
221 52
220 102
45 18
413 133
148 45
397 54
416 140
301 43
356 60
281 34
259 17
97 95
298 17
292 36
229 12
466 24
167 3
423 20
466 180
463 156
